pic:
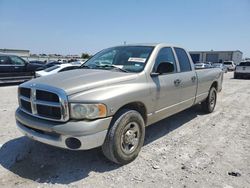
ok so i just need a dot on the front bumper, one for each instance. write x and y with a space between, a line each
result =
89 134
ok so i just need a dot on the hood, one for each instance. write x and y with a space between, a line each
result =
82 79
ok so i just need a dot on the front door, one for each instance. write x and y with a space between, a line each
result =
166 89
19 66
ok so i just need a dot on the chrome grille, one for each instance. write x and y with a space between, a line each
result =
44 102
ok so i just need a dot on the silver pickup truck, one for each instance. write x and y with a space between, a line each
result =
110 100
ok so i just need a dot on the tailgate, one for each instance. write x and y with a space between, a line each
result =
243 69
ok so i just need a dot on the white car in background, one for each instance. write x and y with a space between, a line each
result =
203 65
58 68
242 70
78 62
221 66
230 65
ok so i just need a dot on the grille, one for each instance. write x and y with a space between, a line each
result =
25 92
46 96
44 104
49 111
26 105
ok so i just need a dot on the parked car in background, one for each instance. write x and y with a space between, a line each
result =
110 100
62 60
50 64
210 64
16 69
221 66
242 70
202 65
78 62
230 65
37 62
57 68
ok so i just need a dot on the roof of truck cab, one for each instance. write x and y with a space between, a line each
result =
150 44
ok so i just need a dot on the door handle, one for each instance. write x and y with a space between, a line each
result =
177 82
16 67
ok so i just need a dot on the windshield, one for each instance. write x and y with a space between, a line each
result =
125 58
51 68
245 64
228 63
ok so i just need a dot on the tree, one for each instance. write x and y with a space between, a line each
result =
85 56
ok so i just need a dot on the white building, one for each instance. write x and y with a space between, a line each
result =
25 54
21 53
216 56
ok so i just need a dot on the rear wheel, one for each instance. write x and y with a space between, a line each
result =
125 137
209 104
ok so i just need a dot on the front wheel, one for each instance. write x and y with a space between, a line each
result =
209 104
125 137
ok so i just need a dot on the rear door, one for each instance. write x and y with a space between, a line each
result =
6 68
188 79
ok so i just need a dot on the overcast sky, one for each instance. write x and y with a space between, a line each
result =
73 27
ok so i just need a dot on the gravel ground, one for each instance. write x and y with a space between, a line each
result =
190 149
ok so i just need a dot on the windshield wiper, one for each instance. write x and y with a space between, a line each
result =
112 66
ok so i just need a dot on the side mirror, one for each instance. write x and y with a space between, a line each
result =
165 67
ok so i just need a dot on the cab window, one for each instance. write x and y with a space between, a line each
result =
4 60
17 60
183 60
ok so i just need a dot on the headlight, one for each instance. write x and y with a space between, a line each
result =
87 111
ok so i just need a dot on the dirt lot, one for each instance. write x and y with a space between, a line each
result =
190 149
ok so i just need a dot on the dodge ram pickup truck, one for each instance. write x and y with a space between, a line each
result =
111 98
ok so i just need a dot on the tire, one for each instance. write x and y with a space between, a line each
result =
209 104
125 137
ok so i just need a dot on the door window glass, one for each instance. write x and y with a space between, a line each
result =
165 55
4 60
183 59
17 60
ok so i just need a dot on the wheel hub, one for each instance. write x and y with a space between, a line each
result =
212 100
130 137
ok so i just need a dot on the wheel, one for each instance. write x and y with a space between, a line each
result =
209 104
125 137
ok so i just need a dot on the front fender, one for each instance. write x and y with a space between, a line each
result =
116 96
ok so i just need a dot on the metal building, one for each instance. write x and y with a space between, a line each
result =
21 53
216 56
